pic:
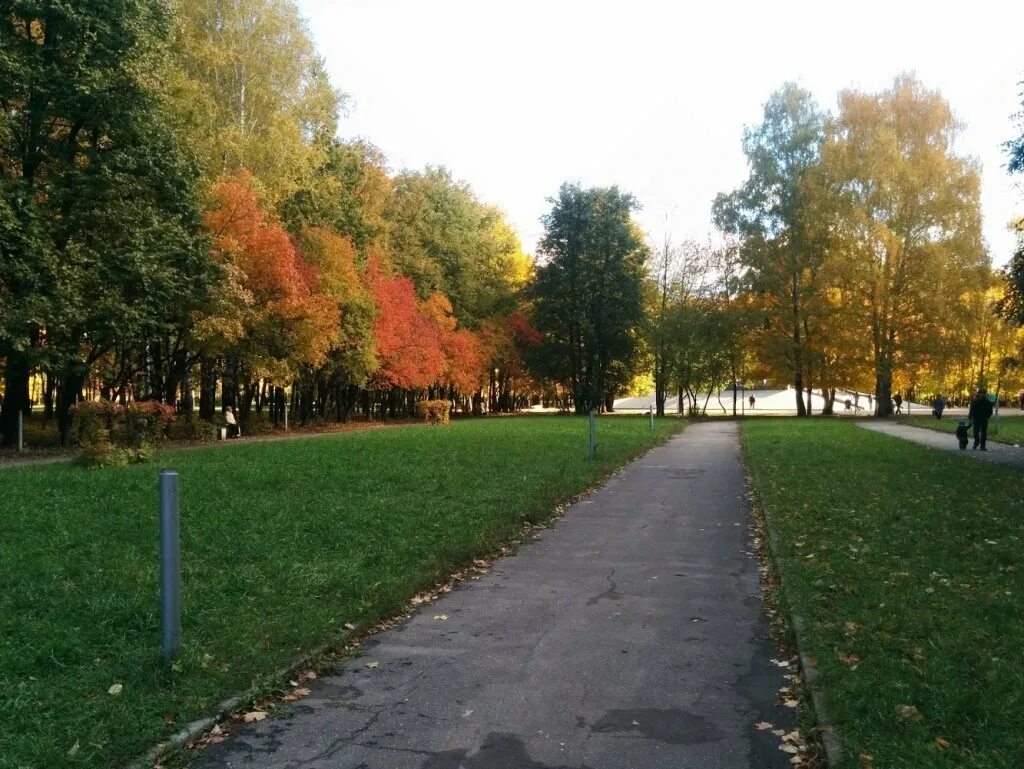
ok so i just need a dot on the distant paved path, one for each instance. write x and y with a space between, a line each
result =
998 453
628 637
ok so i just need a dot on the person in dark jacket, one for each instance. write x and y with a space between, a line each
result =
979 414
938 406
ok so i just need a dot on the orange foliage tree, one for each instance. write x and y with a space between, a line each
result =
278 314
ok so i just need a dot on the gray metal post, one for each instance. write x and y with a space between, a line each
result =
170 566
650 413
592 452
21 431
286 416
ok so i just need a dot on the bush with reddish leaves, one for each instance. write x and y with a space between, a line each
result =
434 412
111 434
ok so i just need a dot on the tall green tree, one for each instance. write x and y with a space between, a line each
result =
446 240
588 294
250 91
104 247
770 214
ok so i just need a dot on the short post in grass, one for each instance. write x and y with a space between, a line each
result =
592 446
650 413
170 566
21 431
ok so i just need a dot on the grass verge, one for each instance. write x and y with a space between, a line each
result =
283 543
1010 429
904 564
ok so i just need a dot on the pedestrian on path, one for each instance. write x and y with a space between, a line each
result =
753 400
938 406
898 400
979 414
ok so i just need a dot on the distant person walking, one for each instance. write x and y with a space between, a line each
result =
1020 399
753 400
898 400
938 406
979 414
856 401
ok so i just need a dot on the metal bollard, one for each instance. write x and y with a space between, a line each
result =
21 431
592 451
650 412
170 566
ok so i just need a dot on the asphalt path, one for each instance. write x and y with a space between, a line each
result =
997 453
628 636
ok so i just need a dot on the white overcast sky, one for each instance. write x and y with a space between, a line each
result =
517 97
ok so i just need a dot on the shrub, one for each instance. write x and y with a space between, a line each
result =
146 423
111 434
434 412
257 424
198 430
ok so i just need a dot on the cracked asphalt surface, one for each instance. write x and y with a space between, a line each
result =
628 636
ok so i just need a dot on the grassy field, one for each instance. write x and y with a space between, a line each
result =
905 564
283 543
1010 428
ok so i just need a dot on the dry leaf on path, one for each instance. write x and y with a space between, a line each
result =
441 616
254 715
762 725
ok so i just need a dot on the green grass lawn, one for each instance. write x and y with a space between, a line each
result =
283 543
906 566
1010 428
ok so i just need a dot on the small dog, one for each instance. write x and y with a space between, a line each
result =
961 433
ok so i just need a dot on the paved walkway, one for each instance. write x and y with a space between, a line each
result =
629 636
998 453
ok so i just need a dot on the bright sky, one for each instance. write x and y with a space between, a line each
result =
517 97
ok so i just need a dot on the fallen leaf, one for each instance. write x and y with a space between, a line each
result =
73 750
467 714
216 729
908 713
942 743
762 725
116 689
349 626
848 659
254 715
372 665
636 723
441 616
789 748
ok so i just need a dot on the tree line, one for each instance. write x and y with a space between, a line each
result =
851 257
178 217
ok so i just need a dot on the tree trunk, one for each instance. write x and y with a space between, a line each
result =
207 388
16 374
67 396
49 393
229 385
